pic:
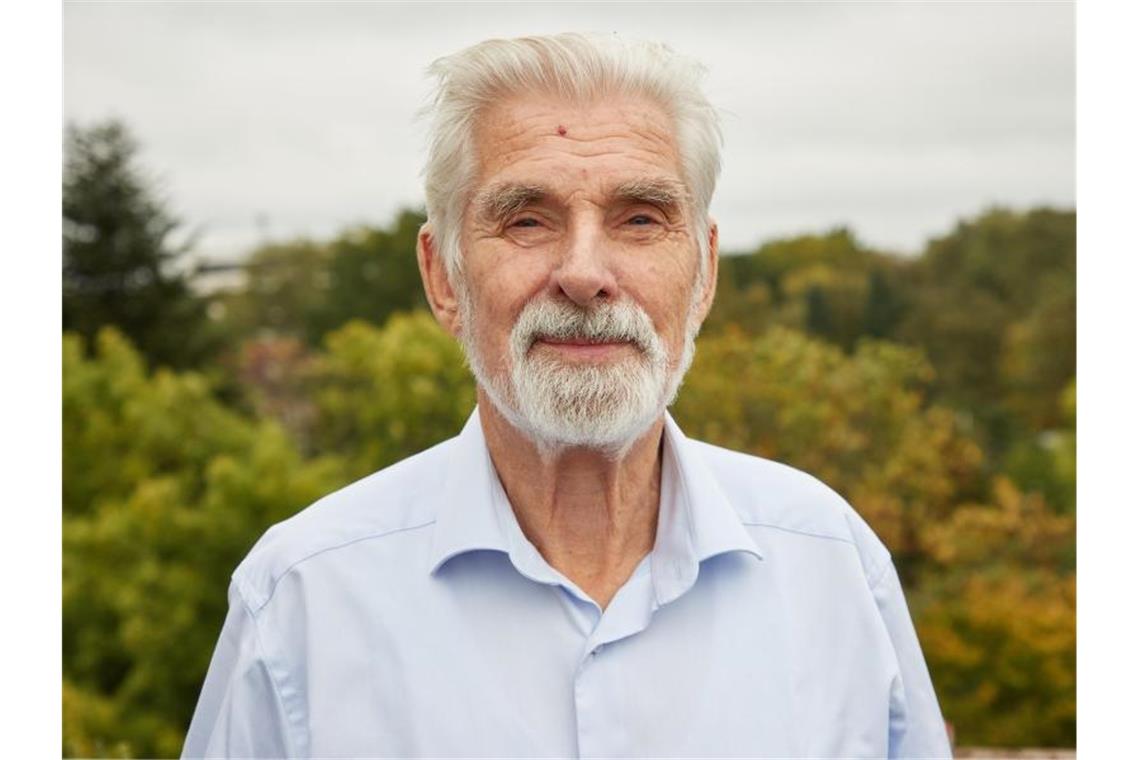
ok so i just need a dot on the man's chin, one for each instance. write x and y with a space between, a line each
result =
586 374
592 422
559 403
606 439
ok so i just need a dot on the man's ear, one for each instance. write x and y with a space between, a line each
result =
713 258
437 286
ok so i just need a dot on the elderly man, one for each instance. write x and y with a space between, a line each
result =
570 576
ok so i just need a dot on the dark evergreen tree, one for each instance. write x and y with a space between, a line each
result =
818 320
119 260
883 306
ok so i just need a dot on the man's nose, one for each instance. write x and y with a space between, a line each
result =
584 273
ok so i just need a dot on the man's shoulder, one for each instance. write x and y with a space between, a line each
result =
393 501
771 495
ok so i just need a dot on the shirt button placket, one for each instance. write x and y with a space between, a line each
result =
590 734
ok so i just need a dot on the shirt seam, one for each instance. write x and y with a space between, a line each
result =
276 580
754 524
879 574
291 718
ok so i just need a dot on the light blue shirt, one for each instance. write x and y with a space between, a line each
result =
408 615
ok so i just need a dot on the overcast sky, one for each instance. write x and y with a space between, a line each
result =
276 120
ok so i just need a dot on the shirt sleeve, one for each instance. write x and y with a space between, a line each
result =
240 712
916 726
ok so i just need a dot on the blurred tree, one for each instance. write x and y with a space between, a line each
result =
1046 463
164 492
825 302
384 394
1040 356
120 266
818 319
284 294
884 306
994 305
772 262
374 272
996 611
123 426
276 374
306 289
828 285
861 423
741 306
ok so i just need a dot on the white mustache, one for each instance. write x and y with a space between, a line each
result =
622 322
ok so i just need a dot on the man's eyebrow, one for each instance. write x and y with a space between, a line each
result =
657 191
500 201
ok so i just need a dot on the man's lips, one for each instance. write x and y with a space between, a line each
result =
579 341
586 348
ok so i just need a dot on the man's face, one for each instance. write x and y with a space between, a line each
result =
581 295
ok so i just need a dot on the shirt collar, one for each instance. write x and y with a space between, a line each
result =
696 520
466 519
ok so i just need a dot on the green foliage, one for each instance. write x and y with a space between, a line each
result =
286 288
1047 462
123 426
1039 357
860 423
828 286
165 491
118 259
775 260
383 395
996 612
373 272
994 305
305 289
884 305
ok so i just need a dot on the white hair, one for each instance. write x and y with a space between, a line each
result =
580 68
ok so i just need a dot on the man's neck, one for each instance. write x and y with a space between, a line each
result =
592 517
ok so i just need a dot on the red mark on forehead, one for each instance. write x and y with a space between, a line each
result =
561 130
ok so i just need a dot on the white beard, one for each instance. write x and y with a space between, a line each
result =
598 406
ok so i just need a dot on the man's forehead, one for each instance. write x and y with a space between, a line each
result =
577 118
522 130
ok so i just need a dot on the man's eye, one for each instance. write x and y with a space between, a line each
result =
641 220
525 222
